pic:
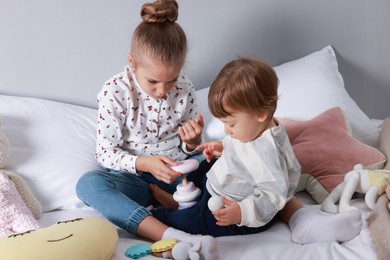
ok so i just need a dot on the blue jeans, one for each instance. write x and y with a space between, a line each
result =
119 196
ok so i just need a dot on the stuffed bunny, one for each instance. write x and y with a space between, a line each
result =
18 206
370 182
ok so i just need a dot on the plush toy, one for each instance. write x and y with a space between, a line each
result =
388 195
15 216
379 219
90 238
384 147
19 209
371 182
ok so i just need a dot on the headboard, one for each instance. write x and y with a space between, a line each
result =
65 50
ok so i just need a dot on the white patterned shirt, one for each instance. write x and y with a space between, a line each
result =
131 123
261 175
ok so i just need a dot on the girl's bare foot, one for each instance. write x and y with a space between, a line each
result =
163 197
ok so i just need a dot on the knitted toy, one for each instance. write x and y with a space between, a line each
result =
384 147
18 206
371 182
388 196
379 219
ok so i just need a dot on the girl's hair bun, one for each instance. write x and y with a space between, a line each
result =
160 11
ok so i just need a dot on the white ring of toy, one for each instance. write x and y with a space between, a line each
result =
184 205
187 197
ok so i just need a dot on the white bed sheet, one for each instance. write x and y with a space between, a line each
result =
275 243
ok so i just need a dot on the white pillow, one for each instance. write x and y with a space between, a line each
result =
214 129
313 84
308 87
52 145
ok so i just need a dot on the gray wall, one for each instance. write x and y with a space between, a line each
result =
65 50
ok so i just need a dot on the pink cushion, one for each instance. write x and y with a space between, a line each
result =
327 151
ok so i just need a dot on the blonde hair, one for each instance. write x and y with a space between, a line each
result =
246 85
158 35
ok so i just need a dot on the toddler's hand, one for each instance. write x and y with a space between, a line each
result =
211 150
229 215
191 132
157 166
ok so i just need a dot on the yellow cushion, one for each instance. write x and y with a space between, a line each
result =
77 239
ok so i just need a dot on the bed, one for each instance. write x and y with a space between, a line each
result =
53 145
50 121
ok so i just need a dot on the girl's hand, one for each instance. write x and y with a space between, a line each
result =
229 215
211 150
191 132
158 166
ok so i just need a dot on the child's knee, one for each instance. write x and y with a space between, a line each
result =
86 183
